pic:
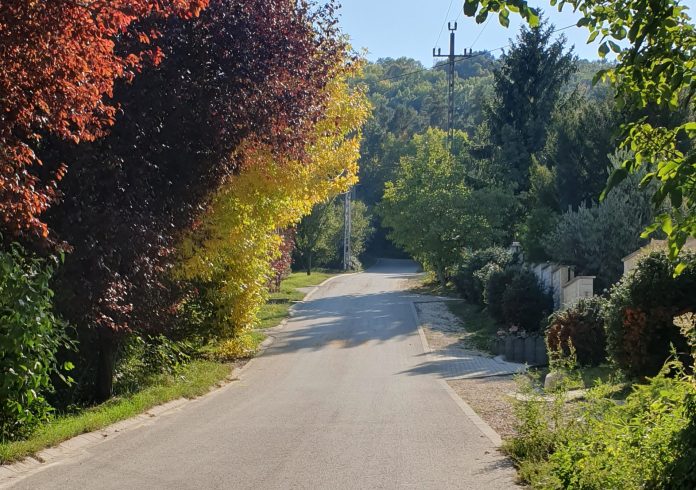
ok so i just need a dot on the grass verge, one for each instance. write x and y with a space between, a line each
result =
278 306
195 379
429 285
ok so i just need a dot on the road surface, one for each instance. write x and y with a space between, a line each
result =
344 398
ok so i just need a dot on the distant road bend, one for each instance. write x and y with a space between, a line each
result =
344 398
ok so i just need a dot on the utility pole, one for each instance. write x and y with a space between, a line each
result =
451 57
346 231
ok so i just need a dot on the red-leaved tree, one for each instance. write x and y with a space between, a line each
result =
244 70
59 62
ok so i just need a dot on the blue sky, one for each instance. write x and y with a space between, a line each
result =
394 28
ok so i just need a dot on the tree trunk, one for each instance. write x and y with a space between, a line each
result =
106 362
309 264
440 272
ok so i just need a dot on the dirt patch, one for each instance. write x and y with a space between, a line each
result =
492 399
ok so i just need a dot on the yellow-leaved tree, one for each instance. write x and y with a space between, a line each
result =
226 262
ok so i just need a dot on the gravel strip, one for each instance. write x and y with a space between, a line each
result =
492 399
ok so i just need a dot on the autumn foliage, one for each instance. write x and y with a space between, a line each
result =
128 126
60 60
226 259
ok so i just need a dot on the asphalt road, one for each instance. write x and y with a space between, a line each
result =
344 398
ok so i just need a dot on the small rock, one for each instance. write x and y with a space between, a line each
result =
553 380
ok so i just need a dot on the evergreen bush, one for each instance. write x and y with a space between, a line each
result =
472 272
526 302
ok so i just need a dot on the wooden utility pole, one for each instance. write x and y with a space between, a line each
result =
451 57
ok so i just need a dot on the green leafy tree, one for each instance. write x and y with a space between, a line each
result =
655 47
313 234
319 236
31 336
581 138
429 209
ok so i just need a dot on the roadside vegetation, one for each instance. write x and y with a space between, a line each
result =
155 207
149 209
192 380
559 161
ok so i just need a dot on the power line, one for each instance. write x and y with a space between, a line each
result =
480 33
459 60
461 10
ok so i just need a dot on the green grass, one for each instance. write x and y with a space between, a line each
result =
278 306
194 380
431 286
482 329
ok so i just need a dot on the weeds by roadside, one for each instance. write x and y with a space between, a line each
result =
603 442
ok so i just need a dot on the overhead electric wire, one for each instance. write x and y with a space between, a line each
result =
480 33
482 53
444 22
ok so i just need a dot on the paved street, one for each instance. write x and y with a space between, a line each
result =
346 397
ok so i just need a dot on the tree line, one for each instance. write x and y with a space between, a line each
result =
155 158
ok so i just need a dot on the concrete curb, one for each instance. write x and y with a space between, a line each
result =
14 472
481 424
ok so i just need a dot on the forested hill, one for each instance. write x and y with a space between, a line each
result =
552 87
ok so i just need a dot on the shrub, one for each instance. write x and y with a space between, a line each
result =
496 285
526 302
646 442
240 347
142 357
30 339
471 275
640 313
581 325
629 446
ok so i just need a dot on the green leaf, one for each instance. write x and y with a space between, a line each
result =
592 37
470 7
616 177
603 49
503 18
533 18
614 47
598 76
649 230
667 225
